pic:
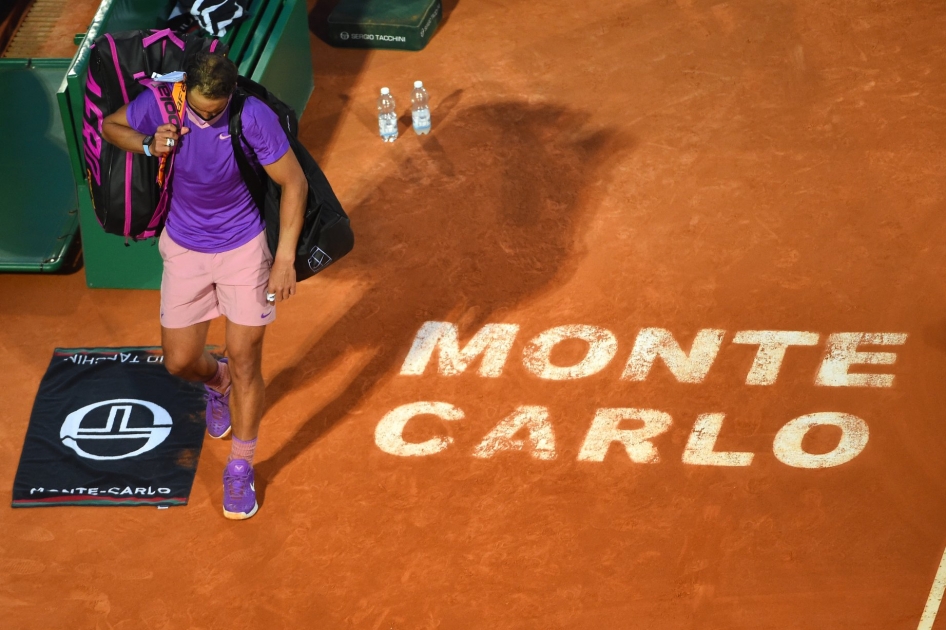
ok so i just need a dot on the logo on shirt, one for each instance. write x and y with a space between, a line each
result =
224 136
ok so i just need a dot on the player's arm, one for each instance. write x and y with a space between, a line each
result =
118 131
295 190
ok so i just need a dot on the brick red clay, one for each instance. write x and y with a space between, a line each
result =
738 165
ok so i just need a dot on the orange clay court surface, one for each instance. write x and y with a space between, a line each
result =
609 167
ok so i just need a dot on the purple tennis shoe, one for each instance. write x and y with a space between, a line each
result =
218 412
239 490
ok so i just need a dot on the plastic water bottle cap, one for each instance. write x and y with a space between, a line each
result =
385 91
418 84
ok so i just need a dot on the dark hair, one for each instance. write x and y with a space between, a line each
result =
214 76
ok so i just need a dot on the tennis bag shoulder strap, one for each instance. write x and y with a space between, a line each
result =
326 231
129 198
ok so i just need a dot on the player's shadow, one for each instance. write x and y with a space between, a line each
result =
490 214
935 335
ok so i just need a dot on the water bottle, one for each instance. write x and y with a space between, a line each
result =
387 116
420 111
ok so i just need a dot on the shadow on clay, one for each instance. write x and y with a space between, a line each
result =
342 71
488 216
934 335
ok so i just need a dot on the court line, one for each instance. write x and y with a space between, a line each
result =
935 598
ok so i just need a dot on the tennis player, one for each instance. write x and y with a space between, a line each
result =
216 260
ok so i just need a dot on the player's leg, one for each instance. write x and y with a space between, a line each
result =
185 356
188 303
245 351
241 278
247 393
185 353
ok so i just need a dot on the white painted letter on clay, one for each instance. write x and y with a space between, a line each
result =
493 341
788 441
389 434
842 354
702 441
602 346
659 342
772 347
534 421
605 430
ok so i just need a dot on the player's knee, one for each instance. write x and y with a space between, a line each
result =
179 364
245 364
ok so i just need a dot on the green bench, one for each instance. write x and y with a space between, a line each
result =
271 46
39 216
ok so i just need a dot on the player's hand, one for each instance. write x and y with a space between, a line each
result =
282 280
165 133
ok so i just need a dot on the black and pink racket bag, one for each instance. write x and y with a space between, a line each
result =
128 198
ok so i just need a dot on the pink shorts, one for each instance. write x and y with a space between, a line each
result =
197 287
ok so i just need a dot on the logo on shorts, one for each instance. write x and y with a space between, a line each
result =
92 432
318 259
344 35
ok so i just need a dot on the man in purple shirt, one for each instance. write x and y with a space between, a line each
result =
216 260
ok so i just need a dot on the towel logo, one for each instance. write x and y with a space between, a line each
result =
116 429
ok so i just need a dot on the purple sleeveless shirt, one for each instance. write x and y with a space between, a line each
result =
212 210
